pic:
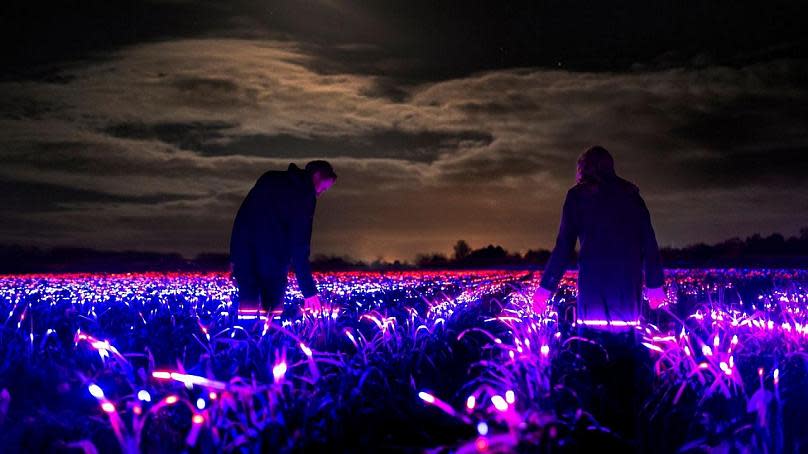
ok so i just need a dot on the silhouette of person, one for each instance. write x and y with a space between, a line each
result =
618 246
273 229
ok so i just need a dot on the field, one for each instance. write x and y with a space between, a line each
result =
439 361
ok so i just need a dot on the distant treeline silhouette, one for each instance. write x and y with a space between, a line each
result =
755 251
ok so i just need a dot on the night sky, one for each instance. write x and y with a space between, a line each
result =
142 124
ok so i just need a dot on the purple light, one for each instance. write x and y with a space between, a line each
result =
426 397
96 391
279 371
618 323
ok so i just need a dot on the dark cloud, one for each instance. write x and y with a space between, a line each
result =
418 39
444 120
776 167
30 197
188 136
745 121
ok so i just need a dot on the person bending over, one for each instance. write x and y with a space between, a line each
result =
618 246
273 229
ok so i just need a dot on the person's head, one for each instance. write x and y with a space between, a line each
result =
595 165
322 175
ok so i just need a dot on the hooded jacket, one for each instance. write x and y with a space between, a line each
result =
273 227
618 246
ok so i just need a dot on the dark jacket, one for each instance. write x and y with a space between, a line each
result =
273 228
618 245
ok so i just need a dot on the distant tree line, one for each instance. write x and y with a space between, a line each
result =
755 251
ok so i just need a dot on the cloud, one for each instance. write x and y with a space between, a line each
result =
156 146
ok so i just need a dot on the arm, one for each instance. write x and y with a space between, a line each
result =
564 246
301 247
652 262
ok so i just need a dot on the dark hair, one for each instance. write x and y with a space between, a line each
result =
595 166
323 167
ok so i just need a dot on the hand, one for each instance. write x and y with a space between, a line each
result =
540 297
656 297
312 304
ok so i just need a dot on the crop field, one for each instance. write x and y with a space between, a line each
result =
410 361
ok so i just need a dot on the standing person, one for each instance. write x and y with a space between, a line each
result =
618 246
273 229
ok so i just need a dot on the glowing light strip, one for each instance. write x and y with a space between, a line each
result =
607 323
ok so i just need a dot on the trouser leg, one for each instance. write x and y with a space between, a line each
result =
249 291
273 289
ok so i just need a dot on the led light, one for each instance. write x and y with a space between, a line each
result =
482 428
499 403
108 407
144 395
200 403
96 391
198 419
171 400
510 397
305 349
426 397
545 350
471 402
279 370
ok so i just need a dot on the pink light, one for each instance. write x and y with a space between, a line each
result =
171 400
432 400
198 419
706 350
608 323
471 402
426 397
279 370
499 403
776 376
716 341
545 350
351 337
653 347
108 407
305 349
212 395
687 350
510 397
190 380
163 375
